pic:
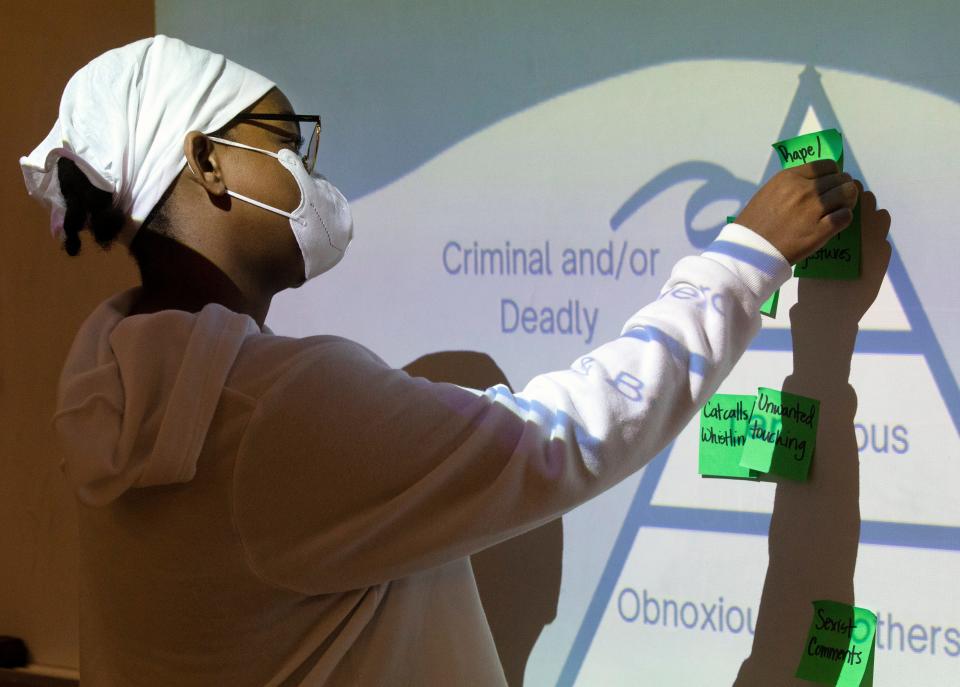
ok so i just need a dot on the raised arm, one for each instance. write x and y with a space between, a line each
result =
352 473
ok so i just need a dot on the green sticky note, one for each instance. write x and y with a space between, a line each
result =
782 434
723 433
821 145
840 256
840 646
769 307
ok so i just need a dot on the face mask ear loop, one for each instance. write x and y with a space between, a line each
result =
239 196
259 204
242 145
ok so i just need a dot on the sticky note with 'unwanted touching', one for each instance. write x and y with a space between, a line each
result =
723 433
840 646
840 257
781 434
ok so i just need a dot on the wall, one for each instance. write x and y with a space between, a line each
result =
632 129
44 296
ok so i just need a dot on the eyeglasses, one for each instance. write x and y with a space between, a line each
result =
310 157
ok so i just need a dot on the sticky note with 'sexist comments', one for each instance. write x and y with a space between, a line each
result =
840 646
839 258
723 433
781 434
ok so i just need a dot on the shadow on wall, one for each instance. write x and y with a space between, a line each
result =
519 579
815 527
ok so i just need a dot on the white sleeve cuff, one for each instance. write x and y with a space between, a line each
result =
760 266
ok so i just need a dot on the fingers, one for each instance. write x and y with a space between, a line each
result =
842 196
819 168
865 202
872 219
836 221
883 221
829 181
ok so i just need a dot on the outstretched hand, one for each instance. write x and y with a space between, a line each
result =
802 208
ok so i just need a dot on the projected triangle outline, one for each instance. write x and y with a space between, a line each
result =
919 339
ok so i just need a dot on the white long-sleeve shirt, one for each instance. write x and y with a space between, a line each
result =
265 510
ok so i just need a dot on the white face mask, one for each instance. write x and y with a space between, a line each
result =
322 223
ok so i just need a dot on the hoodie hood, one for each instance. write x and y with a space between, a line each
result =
137 394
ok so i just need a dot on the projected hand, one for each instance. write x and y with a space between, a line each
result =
801 208
841 300
824 321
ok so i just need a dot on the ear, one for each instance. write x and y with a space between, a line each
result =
202 161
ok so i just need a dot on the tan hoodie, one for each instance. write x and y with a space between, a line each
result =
265 510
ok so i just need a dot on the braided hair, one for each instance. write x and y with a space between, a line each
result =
87 206
92 208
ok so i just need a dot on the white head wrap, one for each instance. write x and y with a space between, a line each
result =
123 118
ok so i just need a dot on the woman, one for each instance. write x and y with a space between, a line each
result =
264 510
